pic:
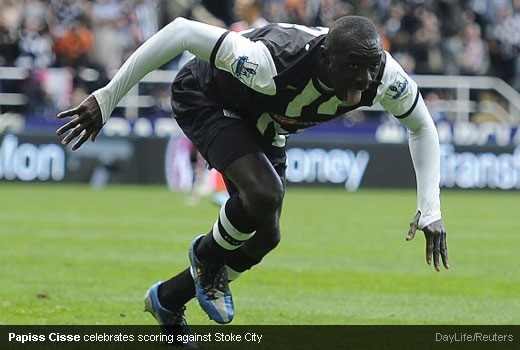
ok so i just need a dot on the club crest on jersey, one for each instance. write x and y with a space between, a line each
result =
244 70
398 87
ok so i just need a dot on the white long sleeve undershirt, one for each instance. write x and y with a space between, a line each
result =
424 148
162 47
200 39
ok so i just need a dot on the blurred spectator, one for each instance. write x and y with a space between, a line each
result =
306 12
73 48
488 10
334 9
275 10
8 44
190 9
432 100
34 44
474 57
222 9
109 21
145 20
394 22
503 39
50 91
65 15
35 11
425 42
92 37
249 14
369 9
449 13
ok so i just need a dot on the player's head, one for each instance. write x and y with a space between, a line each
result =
350 57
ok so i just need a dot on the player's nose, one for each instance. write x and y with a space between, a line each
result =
363 81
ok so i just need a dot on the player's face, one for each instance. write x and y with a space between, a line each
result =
352 68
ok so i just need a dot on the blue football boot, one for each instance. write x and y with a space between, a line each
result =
212 288
172 322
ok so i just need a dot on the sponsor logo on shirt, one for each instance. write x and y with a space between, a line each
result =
292 122
244 70
398 87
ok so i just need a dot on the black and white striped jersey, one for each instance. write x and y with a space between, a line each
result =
269 77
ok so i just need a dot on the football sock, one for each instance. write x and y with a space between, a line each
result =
232 274
177 291
229 232
239 261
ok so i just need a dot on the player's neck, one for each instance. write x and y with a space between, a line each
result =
323 78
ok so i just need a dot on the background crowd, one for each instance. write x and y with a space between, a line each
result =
91 38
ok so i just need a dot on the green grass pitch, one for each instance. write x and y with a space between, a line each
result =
73 255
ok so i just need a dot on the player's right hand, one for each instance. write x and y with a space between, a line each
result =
86 122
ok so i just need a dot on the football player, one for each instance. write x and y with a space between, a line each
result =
236 101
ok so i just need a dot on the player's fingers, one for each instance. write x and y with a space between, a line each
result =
436 251
429 248
71 124
413 226
70 112
444 251
84 124
411 232
63 128
94 135
84 137
72 135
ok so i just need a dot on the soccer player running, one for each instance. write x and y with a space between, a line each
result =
236 101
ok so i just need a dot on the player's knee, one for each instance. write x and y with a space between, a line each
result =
272 240
263 200
265 240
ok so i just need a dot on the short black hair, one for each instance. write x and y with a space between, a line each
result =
355 28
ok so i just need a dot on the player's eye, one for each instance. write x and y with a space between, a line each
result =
354 66
375 67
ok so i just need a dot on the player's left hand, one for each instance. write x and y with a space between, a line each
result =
436 245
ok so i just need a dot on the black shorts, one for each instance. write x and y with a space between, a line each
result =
219 138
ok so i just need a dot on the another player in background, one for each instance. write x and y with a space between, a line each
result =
236 101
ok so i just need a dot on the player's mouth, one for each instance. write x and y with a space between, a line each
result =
353 96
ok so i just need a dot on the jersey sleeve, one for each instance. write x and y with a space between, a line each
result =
248 61
398 93
423 141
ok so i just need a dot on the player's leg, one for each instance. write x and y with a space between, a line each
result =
177 291
257 199
229 146
260 194
252 252
267 237
171 320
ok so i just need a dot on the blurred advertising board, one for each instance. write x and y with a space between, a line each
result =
312 161
383 129
330 162
41 158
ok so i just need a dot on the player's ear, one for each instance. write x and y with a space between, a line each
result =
324 55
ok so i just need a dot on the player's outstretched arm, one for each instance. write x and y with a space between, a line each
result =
86 123
168 43
436 244
402 98
424 149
